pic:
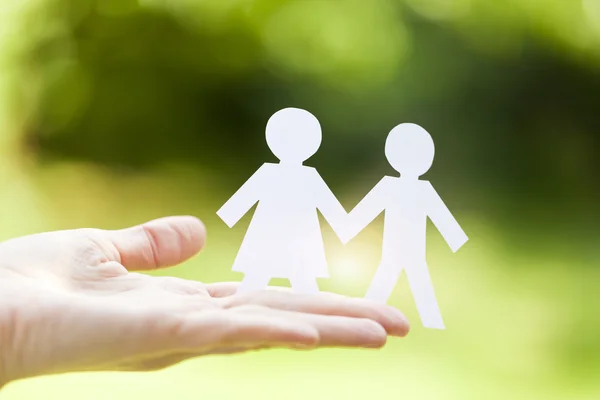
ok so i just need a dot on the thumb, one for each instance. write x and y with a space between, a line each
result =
159 243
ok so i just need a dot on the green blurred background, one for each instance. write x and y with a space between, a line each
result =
113 112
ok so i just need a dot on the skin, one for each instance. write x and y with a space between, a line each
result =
73 301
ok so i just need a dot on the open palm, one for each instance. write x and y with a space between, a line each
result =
68 302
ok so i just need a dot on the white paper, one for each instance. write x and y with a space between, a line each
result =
407 202
284 239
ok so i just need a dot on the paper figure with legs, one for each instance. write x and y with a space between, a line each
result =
407 202
284 238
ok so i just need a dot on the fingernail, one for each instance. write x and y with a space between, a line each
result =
400 324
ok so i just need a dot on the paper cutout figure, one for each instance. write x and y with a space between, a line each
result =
284 238
407 202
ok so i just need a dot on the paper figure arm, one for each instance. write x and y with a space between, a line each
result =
243 200
335 214
367 210
443 220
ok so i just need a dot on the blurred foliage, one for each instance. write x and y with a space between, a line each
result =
508 89
113 111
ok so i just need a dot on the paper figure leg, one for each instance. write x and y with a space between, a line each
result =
252 282
383 283
424 295
304 284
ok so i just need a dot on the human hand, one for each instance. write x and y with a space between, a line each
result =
68 302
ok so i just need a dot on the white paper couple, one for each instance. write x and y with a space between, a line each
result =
284 239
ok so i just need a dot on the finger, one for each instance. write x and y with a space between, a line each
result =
159 362
334 331
214 330
159 243
394 322
130 331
